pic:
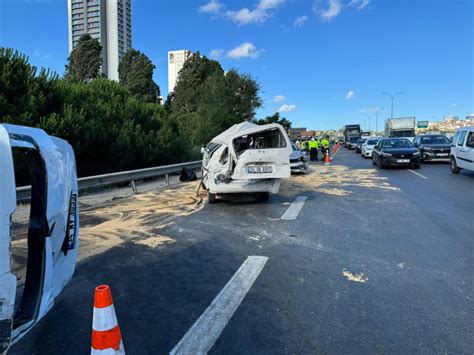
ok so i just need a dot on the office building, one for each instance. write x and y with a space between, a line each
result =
108 21
176 61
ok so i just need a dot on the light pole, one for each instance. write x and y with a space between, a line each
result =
392 97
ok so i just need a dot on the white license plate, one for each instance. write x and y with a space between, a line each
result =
442 154
403 161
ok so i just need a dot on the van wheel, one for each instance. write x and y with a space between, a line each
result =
454 167
211 197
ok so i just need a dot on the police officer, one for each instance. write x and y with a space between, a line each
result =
325 147
313 149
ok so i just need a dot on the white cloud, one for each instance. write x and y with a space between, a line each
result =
216 53
212 7
286 108
350 94
300 21
245 50
259 14
40 54
279 98
327 13
359 4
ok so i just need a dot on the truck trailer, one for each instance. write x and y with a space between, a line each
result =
400 127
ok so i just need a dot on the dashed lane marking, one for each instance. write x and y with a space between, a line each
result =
295 208
206 330
418 174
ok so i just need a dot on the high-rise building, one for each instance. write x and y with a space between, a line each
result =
176 61
108 21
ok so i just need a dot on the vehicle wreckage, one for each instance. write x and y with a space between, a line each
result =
53 229
246 158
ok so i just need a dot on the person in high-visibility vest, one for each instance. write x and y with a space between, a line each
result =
324 148
313 149
303 145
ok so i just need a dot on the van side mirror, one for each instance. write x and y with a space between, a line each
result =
417 144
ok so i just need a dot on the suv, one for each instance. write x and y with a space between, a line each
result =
433 147
462 150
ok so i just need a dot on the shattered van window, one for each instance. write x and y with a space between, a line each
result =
261 140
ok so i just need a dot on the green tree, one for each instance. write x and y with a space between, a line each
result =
136 73
84 61
275 118
207 101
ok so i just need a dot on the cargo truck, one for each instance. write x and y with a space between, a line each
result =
403 127
351 135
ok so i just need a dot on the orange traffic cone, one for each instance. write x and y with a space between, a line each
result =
327 160
106 337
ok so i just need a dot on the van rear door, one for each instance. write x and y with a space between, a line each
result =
7 207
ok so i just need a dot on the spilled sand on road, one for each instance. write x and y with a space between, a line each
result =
137 219
334 180
361 278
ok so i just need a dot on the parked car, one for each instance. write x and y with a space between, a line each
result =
368 147
462 150
433 147
390 152
297 160
358 145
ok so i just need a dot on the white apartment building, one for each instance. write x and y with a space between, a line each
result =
108 21
176 61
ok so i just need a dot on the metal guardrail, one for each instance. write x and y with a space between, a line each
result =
23 193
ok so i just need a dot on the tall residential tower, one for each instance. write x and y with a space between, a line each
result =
176 61
108 21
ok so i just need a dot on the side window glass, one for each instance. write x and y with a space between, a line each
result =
470 140
454 139
461 138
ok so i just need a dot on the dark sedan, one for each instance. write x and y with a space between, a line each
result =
390 152
433 147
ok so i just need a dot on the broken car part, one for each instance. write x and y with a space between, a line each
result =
53 229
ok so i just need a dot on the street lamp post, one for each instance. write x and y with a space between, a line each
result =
392 97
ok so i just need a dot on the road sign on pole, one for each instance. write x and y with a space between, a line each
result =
422 124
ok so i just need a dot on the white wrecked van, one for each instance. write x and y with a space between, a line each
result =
52 232
247 158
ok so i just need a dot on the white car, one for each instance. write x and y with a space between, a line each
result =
368 147
462 150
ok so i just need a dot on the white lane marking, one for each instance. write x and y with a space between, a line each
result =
206 330
414 172
295 208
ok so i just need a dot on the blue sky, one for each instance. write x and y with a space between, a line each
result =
324 63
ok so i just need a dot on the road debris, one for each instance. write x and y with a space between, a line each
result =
355 277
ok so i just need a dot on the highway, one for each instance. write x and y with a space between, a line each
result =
364 261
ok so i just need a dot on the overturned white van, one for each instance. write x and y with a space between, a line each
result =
52 232
247 158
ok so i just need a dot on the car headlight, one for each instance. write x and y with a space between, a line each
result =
416 154
386 155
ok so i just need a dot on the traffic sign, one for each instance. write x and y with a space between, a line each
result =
422 124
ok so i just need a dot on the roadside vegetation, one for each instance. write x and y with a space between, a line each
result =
115 126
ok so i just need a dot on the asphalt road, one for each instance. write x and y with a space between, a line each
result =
377 261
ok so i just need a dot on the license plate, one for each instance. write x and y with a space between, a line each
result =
403 160
442 154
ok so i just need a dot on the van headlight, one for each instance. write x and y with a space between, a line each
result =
259 169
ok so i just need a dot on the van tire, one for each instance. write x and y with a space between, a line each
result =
211 197
454 167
